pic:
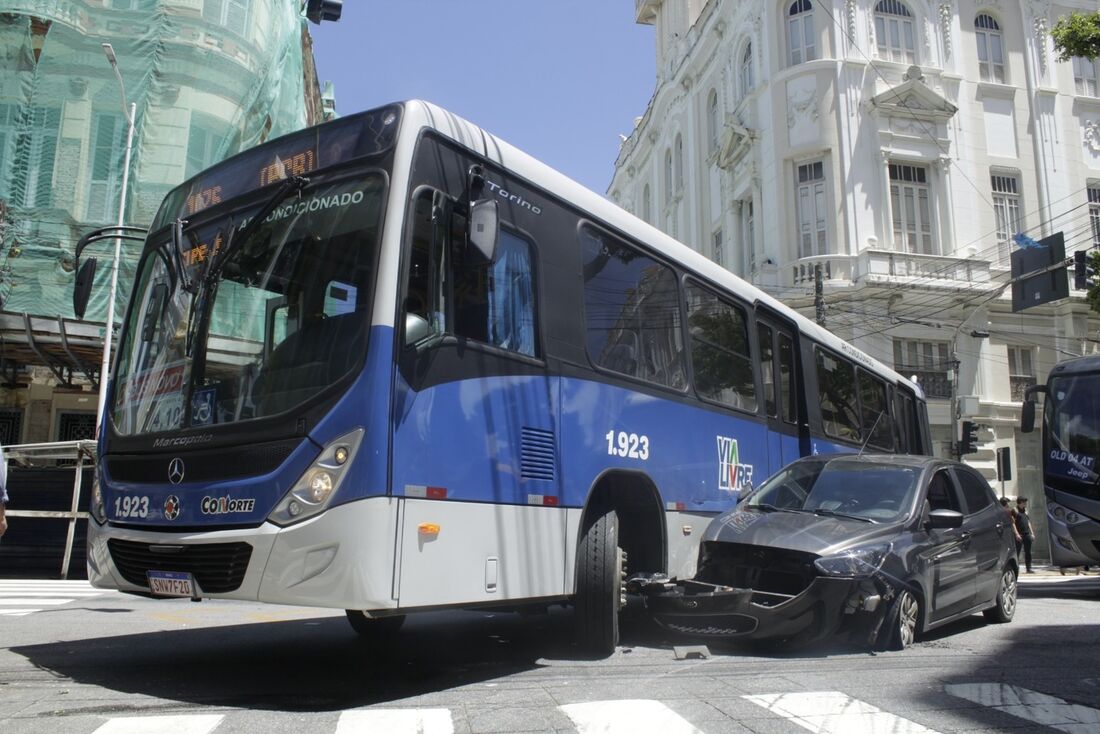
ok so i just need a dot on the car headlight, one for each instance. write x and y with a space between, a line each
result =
854 563
96 508
1069 517
315 489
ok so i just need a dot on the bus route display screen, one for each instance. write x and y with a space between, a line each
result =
296 154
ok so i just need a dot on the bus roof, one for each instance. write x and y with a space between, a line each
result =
1077 365
420 114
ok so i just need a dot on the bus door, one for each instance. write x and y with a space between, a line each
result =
783 398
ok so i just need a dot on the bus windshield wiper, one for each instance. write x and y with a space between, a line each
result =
834 513
295 184
763 507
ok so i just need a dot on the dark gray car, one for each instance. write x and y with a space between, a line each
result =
878 548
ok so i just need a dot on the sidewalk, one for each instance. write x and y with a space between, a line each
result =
1049 573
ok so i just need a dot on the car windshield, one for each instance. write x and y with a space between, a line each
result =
859 490
256 326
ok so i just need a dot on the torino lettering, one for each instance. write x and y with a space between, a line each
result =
225 505
514 198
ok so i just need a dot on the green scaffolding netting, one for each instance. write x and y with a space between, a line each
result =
209 78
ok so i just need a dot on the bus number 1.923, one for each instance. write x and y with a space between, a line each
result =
627 445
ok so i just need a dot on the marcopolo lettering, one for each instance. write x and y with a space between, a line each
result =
225 505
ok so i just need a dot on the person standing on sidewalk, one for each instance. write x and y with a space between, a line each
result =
3 493
1023 527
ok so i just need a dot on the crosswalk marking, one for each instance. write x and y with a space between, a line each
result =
626 717
396 721
1038 708
827 712
20 597
185 724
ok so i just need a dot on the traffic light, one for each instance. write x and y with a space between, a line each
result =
1081 270
968 444
321 10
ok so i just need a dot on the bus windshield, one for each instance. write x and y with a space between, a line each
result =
255 327
1072 418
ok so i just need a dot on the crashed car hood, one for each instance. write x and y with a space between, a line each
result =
802 531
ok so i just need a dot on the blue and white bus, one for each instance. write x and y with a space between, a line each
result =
391 364
1071 458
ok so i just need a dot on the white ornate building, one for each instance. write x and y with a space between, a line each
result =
898 144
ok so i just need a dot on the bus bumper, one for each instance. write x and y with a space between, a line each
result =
334 560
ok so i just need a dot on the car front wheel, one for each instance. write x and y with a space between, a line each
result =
1004 606
901 627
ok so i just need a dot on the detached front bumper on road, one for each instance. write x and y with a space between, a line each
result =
853 608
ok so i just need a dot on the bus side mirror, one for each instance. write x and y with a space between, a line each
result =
82 287
483 228
1027 411
1027 416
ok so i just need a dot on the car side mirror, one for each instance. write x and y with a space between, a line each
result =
944 519
82 287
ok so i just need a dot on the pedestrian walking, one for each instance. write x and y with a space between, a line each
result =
3 493
1011 512
1026 534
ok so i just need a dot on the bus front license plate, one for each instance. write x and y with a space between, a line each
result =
171 583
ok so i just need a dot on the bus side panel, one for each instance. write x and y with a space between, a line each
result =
700 459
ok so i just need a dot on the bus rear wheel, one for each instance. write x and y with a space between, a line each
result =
600 571
375 629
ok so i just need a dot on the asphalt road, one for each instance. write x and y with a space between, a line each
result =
74 660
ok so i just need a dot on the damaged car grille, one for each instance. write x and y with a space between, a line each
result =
760 568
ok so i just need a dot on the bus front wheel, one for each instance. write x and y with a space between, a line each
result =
600 570
374 628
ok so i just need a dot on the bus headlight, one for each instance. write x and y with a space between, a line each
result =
1069 517
96 507
318 484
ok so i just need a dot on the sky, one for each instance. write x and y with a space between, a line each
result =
559 80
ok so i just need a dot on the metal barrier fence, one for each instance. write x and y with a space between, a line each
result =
32 455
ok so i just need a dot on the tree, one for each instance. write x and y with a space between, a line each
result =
1092 295
1077 34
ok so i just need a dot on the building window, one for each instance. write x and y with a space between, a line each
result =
810 198
108 138
712 120
9 118
231 14
1006 210
748 237
204 143
894 32
1021 371
1085 76
1094 212
679 163
716 248
991 60
647 205
800 32
910 208
668 176
928 361
747 80
35 152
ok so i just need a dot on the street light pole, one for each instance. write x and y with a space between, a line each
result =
129 112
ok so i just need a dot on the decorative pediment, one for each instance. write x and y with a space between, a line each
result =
913 100
735 142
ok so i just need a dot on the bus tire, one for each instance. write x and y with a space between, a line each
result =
375 629
600 572
1004 604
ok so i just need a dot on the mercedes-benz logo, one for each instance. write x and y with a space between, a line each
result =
175 471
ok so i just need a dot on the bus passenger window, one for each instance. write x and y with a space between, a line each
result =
788 376
767 367
836 383
720 358
632 312
494 303
876 412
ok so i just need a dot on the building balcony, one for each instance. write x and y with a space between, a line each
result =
935 383
891 265
1018 385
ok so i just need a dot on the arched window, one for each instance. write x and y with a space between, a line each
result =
712 120
800 32
894 32
747 80
647 207
991 59
679 163
668 176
